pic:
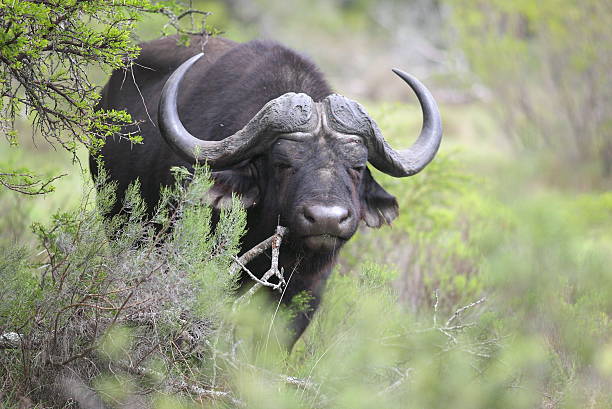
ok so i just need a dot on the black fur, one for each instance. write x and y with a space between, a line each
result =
218 96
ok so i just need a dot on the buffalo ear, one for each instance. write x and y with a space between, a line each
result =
239 180
379 207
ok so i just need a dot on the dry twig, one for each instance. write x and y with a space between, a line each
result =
273 242
179 384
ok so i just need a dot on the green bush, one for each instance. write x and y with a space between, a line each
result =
546 64
485 293
159 278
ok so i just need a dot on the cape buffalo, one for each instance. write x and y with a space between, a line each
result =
270 127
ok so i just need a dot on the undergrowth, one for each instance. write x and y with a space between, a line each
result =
513 310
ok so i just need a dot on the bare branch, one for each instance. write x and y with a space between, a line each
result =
258 249
254 278
179 384
174 20
273 242
463 309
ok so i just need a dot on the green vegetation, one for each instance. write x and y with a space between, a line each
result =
47 51
531 268
546 64
493 288
77 304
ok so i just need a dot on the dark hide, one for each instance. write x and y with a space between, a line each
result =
289 183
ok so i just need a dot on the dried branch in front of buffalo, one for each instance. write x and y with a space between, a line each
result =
273 242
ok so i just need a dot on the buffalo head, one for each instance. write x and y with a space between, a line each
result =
305 162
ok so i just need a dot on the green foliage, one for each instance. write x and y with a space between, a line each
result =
547 65
544 263
47 50
19 286
554 268
194 238
86 299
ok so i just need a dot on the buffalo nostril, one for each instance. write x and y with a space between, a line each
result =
338 214
309 216
326 216
344 217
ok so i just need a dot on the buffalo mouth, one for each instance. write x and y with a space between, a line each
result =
322 243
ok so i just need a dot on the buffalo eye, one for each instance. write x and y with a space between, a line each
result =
356 171
357 167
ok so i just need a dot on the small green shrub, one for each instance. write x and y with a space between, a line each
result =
156 282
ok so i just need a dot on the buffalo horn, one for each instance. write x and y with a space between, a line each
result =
288 113
409 161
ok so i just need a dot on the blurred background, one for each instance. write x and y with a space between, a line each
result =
517 207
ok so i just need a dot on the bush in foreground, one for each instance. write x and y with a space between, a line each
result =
143 322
